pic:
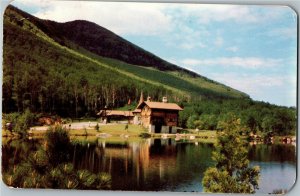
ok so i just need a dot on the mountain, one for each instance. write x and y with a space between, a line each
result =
77 67
100 41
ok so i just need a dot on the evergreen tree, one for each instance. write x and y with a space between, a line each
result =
231 173
49 166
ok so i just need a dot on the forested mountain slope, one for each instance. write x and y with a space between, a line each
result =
53 72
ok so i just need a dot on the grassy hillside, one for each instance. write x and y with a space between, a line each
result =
47 76
89 38
198 86
98 40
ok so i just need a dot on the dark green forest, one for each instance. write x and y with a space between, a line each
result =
75 69
255 116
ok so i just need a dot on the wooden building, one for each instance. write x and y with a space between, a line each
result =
137 116
159 117
107 116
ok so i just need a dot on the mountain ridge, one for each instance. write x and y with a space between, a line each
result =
59 31
30 41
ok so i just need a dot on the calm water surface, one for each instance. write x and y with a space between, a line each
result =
169 165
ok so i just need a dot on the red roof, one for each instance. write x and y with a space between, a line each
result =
137 111
160 105
115 113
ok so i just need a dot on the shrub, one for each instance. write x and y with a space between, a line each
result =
145 135
97 127
58 145
23 122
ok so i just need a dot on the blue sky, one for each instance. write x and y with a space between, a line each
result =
250 48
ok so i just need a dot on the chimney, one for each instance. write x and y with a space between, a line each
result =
164 100
148 98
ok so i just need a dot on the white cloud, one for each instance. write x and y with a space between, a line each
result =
147 18
224 13
285 32
33 3
262 87
280 89
219 41
188 44
249 83
232 49
121 18
185 37
247 62
237 13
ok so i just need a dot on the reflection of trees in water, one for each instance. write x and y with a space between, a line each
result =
273 152
147 164
13 151
47 165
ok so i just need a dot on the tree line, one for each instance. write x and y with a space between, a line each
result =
255 116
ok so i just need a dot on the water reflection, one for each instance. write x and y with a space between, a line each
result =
168 165
273 153
151 164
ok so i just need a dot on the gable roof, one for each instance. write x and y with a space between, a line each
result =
160 105
137 111
115 113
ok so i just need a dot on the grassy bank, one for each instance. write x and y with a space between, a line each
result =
111 129
114 130
118 132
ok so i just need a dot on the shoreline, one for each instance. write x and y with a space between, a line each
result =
134 132
128 136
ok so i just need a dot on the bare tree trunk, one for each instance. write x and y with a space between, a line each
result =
76 101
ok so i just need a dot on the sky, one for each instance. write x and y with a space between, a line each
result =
250 48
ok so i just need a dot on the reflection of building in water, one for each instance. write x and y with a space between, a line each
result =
122 157
130 163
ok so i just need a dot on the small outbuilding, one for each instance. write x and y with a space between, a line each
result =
116 115
137 116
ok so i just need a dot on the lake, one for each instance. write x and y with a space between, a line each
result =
166 164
